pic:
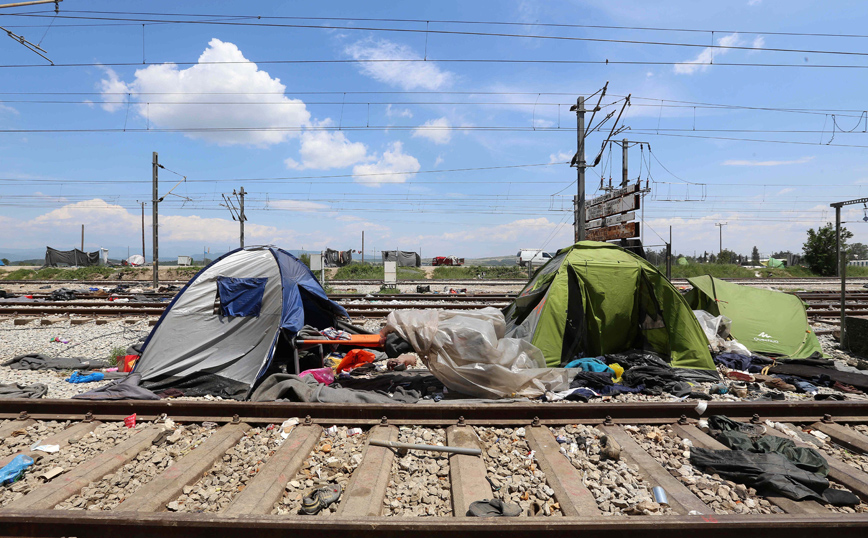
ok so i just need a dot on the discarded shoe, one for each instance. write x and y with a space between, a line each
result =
610 448
780 384
493 508
320 499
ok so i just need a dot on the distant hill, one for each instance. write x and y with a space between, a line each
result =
494 261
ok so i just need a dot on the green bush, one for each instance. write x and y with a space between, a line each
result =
19 274
116 355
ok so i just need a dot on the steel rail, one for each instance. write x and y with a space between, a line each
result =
435 413
187 525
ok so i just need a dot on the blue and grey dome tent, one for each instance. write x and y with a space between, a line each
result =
227 321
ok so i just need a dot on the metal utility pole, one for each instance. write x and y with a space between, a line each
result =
82 237
841 259
668 255
363 246
721 225
156 200
580 166
624 179
241 217
143 230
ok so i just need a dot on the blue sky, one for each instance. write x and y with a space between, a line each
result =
429 154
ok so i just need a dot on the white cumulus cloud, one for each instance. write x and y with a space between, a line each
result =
322 150
412 75
704 58
185 98
394 166
438 131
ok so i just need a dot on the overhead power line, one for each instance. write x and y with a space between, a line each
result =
492 23
429 30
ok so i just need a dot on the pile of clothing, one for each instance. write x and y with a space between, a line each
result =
794 375
634 371
771 464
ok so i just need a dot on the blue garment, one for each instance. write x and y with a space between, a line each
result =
735 361
590 364
89 378
800 384
241 296
14 469
613 390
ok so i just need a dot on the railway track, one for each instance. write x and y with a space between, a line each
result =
93 495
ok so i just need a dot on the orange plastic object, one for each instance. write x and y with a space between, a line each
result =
357 340
129 361
355 358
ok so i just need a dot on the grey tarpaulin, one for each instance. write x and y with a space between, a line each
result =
307 389
54 257
35 361
403 257
337 258
18 390
120 389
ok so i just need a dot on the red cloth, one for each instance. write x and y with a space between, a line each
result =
129 361
355 358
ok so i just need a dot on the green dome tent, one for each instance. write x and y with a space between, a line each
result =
773 262
683 261
764 321
596 298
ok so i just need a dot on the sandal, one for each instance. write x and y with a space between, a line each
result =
320 499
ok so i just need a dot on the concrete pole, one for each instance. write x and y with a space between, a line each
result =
363 246
241 218
580 142
624 179
143 230
838 242
155 166
82 237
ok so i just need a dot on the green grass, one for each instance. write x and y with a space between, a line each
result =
359 271
857 271
389 291
62 273
473 271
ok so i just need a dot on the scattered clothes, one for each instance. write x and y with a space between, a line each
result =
843 387
170 393
493 508
89 378
752 364
657 380
800 384
355 358
779 384
593 380
335 334
615 389
803 458
770 474
35 361
63 294
590 364
123 389
13 470
423 289
770 464
320 498
837 397
396 346
310 333
322 375
859 381
18 390
637 357
307 389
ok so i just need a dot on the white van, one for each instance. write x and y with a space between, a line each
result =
534 256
